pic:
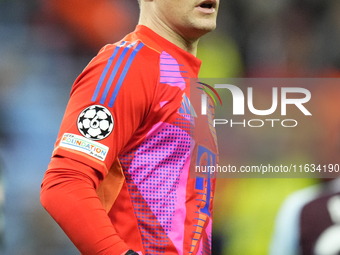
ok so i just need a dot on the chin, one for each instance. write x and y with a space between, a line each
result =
210 28
197 29
207 25
206 28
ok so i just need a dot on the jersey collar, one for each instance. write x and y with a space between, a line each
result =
160 44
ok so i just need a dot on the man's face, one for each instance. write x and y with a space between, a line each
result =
189 18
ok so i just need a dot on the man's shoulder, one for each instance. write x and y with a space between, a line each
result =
126 57
130 51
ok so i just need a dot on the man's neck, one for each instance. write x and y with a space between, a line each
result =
169 34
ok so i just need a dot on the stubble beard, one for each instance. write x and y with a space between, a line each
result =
197 29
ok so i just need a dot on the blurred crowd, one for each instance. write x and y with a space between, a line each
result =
45 44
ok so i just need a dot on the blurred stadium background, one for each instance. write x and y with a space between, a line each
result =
45 44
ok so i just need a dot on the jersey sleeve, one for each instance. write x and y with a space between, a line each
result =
68 195
108 102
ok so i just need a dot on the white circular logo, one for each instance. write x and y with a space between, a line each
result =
95 122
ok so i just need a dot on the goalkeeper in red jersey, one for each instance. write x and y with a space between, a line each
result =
118 181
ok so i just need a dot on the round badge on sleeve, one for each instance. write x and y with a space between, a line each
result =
95 122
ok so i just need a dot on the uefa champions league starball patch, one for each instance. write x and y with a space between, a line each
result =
95 122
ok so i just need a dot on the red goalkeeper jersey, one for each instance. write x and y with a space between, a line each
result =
132 118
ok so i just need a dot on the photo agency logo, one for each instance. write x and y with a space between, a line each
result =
204 97
295 96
